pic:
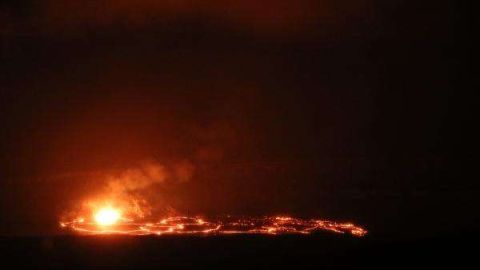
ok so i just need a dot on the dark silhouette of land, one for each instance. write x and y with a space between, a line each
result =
319 251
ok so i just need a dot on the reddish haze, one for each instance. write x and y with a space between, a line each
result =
316 109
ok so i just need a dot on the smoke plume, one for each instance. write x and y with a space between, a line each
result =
127 189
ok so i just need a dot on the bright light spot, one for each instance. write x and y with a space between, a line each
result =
107 216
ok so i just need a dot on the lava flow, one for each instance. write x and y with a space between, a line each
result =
110 221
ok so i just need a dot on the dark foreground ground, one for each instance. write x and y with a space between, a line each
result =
322 251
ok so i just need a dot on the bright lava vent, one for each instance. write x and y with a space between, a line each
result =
107 216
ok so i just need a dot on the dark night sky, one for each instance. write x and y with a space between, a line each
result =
341 109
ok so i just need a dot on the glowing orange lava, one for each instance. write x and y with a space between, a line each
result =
109 221
107 216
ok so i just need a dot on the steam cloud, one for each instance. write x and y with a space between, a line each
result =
126 189
134 179
148 174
